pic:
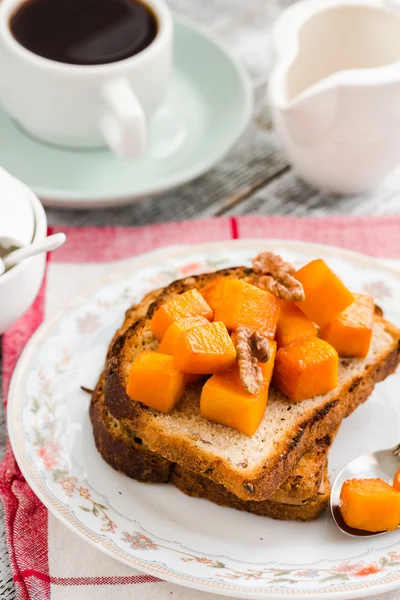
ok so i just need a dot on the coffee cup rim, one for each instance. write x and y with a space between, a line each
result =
165 27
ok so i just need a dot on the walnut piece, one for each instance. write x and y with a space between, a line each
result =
251 348
277 276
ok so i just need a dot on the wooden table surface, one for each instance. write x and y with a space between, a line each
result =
254 178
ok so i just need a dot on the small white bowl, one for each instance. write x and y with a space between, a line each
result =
17 220
20 285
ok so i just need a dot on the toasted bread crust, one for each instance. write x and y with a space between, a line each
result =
260 482
197 486
133 314
133 459
306 479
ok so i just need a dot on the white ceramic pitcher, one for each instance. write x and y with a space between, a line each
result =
335 91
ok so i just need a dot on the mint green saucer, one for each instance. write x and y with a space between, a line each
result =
208 106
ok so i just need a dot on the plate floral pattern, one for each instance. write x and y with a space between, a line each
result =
49 432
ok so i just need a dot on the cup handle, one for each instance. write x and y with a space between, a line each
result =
123 122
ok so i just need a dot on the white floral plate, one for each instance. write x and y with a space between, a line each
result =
156 528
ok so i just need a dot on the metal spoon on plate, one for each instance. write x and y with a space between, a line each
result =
383 464
10 259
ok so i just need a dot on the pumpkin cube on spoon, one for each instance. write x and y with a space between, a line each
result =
242 303
224 399
325 294
306 368
370 504
204 349
350 332
182 306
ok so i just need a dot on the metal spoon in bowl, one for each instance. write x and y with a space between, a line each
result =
52 242
383 464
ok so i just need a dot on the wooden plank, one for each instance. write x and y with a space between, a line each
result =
289 195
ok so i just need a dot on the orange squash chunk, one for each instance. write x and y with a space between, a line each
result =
155 381
370 504
350 332
325 295
188 304
267 368
292 325
396 481
306 368
224 399
242 303
172 334
212 291
176 329
204 349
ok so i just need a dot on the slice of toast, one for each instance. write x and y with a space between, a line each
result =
125 451
296 489
252 468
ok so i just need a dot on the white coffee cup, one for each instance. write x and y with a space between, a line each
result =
86 106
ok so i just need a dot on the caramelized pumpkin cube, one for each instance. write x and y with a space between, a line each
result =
212 291
155 381
204 349
350 332
292 325
173 332
370 505
267 368
325 295
306 368
224 399
242 303
182 306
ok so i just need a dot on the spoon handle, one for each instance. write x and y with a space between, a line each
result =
52 242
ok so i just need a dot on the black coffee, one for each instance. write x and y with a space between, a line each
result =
84 32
